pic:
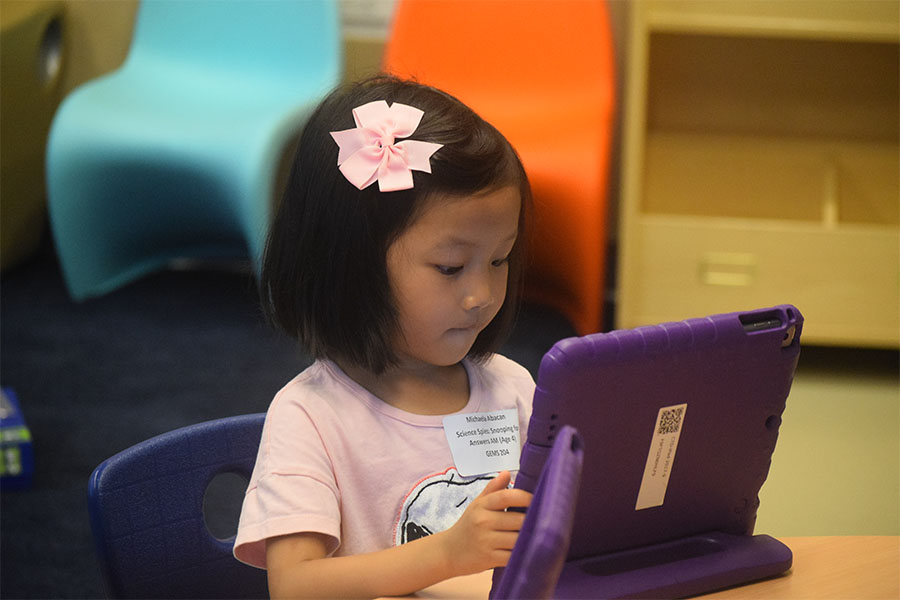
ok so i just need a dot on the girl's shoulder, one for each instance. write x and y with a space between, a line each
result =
319 385
320 399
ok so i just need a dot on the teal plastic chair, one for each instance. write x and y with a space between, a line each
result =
176 154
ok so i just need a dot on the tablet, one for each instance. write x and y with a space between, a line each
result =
679 423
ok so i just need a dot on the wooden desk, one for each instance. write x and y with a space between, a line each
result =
845 568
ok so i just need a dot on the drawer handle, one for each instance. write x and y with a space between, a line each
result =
729 269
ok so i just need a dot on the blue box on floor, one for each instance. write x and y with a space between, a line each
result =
16 451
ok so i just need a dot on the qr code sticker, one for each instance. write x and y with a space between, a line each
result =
670 420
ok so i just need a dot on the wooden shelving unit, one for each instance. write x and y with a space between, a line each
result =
761 157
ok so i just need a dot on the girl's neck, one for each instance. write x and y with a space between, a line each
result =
417 389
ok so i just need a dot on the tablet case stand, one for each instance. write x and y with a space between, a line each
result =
687 567
749 377
548 525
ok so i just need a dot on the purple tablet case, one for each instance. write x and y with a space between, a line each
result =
733 372
548 524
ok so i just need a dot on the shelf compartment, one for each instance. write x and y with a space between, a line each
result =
773 86
728 175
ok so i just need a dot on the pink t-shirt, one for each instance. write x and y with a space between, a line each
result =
336 460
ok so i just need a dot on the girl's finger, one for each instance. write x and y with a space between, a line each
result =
509 521
500 482
508 498
505 540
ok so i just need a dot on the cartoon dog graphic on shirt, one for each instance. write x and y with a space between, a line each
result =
436 503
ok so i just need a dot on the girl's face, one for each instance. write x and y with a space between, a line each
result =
448 274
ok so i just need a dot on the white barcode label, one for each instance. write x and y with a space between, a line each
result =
661 456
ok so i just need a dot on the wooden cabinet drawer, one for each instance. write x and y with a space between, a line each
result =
846 281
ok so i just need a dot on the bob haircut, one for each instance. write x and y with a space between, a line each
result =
324 278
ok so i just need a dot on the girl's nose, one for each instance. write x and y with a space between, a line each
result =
478 294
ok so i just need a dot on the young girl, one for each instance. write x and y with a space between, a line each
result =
395 258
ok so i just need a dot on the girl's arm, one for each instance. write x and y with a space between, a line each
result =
482 539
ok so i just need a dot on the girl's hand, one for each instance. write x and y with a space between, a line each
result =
485 534
482 539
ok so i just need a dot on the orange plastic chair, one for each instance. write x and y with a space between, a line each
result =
542 72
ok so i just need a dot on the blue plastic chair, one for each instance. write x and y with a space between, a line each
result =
147 517
175 155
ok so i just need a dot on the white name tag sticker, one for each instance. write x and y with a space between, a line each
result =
484 442
661 456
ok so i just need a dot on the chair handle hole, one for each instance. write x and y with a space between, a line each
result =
50 53
222 503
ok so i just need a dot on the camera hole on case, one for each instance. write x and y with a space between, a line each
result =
789 334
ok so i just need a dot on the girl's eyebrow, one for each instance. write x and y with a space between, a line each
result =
457 242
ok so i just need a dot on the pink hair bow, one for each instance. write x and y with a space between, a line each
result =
370 152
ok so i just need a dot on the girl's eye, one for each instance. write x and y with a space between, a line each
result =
445 270
501 262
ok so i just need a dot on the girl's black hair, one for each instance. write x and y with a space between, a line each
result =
324 278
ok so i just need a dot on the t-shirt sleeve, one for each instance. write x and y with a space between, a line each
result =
292 489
